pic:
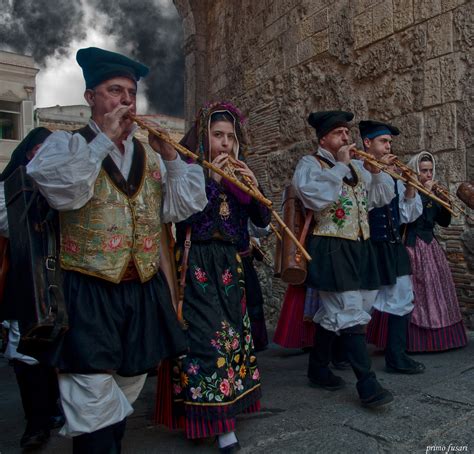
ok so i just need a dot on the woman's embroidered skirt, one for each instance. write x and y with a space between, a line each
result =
219 378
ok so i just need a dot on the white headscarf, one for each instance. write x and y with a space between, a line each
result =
414 163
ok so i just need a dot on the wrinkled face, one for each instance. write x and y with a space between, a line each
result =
335 139
425 171
379 146
221 138
118 91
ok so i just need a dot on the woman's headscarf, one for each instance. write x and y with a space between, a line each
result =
19 156
414 163
197 138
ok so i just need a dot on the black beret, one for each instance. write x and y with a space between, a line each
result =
326 121
371 129
99 65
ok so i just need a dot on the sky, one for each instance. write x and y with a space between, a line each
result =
149 31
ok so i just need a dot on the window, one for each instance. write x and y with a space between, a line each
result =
10 120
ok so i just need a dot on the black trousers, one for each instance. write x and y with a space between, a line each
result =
107 440
39 393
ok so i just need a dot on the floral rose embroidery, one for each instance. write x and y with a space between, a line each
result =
236 369
225 387
201 277
113 243
156 175
340 211
70 246
148 244
227 277
227 280
340 214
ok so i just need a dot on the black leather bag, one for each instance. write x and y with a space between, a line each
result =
34 228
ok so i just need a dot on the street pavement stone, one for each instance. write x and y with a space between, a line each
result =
432 412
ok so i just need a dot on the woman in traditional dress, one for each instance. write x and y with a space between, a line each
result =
295 328
219 377
436 322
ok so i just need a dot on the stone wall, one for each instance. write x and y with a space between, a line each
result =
405 61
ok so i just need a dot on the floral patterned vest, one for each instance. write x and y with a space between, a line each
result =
346 218
120 223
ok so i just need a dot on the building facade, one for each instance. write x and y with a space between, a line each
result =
70 118
408 62
17 99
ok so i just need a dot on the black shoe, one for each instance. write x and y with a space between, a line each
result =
229 449
396 359
383 397
341 365
414 367
34 439
326 380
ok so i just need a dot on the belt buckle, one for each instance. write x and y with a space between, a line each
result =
50 263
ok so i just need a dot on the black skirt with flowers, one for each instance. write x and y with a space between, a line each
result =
219 377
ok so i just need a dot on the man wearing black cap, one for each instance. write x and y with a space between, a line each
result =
395 297
340 191
112 194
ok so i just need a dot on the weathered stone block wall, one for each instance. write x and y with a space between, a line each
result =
405 61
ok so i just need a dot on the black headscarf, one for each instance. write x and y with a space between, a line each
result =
18 158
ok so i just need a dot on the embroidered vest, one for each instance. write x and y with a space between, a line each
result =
120 223
385 221
347 217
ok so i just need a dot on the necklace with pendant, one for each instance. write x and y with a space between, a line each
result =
224 210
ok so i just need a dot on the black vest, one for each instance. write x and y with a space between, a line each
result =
385 221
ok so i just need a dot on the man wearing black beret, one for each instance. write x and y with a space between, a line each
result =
113 194
341 191
395 297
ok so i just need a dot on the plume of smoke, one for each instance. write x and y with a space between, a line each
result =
40 28
151 32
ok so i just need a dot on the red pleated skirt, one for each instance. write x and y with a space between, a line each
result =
293 331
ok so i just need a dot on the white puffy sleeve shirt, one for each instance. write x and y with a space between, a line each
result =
318 187
410 209
66 168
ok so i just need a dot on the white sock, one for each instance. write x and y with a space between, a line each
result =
227 439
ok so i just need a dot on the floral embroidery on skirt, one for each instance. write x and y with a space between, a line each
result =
219 377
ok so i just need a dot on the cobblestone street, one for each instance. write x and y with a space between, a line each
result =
432 412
